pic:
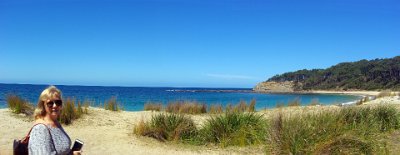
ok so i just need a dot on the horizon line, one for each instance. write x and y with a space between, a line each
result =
123 86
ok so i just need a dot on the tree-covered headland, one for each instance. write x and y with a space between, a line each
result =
377 74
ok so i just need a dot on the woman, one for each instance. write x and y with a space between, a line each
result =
48 137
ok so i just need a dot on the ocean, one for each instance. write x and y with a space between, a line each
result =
134 98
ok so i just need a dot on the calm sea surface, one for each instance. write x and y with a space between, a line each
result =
133 98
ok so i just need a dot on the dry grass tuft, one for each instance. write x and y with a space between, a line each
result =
71 112
216 109
18 105
167 127
150 106
112 104
186 107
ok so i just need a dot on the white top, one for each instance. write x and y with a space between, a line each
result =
40 142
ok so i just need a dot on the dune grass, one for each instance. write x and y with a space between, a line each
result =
186 107
234 128
112 104
216 109
19 105
151 106
252 106
193 107
70 112
167 127
352 129
348 130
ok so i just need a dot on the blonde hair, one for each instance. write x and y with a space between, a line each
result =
47 94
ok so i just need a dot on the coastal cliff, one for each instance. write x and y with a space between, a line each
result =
275 87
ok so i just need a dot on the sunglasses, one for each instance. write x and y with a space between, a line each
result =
51 103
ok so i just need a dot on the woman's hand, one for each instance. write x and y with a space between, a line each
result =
77 152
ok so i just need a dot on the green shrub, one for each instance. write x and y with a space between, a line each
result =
112 104
168 127
234 129
18 105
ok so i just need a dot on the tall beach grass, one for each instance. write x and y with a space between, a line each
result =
19 105
72 110
193 107
152 106
346 130
350 129
112 104
167 127
186 107
234 128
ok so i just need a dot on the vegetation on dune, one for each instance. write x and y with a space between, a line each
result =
215 109
167 127
233 128
365 75
70 112
186 107
112 104
71 108
150 106
19 105
350 130
193 107
228 129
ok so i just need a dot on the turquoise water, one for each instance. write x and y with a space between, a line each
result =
133 98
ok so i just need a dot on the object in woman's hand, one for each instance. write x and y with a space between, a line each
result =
77 145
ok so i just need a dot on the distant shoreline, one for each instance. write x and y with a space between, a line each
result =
357 93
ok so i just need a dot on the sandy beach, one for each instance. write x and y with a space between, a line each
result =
363 93
106 132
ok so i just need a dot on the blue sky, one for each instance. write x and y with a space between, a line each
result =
187 43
